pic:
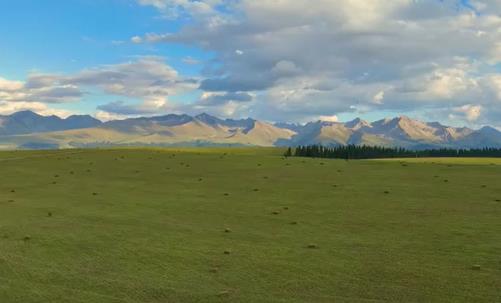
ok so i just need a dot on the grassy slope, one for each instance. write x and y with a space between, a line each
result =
155 230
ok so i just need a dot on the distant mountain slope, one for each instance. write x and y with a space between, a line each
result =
29 130
401 131
486 136
159 131
28 122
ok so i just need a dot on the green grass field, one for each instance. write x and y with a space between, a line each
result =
245 225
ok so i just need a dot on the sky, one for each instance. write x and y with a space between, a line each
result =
279 61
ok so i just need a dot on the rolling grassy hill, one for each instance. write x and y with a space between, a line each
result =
245 225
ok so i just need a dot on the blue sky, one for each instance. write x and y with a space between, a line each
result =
287 60
66 36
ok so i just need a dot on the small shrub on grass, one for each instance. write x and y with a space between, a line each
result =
223 293
227 252
312 246
476 267
27 238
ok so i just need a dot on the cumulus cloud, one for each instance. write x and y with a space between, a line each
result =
180 8
126 109
147 107
471 112
7 108
136 39
298 59
147 79
40 89
107 116
8 86
322 57
378 98
221 99
333 118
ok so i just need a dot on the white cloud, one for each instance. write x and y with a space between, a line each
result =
147 79
176 8
447 83
496 85
8 86
378 98
333 118
136 39
471 112
106 116
307 57
7 108
38 88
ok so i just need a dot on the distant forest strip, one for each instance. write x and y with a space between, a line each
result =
378 152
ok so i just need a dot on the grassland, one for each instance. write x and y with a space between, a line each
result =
245 225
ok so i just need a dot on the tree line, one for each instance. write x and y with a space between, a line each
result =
375 152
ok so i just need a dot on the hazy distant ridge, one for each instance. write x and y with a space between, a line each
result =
29 130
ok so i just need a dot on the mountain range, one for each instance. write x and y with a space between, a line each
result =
29 130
